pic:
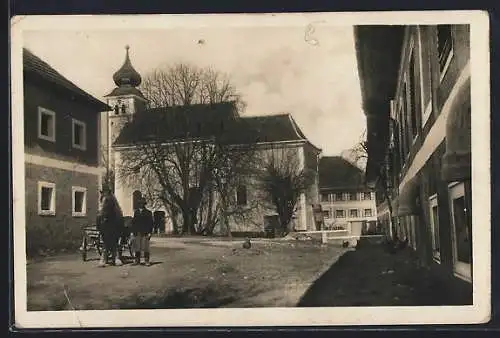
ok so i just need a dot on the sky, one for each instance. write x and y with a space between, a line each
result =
310 73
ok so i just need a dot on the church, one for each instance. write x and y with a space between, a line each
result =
132 123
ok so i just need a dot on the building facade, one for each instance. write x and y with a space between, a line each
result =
132 122
418 109
63 170
344 197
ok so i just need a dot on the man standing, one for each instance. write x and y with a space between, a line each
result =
141 228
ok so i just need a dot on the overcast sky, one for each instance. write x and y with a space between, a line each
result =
276 69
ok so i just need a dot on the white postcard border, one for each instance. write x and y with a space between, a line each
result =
479 312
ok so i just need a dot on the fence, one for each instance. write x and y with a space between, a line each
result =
350 232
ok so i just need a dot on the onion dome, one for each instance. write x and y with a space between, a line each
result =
127 75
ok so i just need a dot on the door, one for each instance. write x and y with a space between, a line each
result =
461 228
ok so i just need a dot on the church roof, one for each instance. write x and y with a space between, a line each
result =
336 172
125 90
205 121
127 75
32 64
269 128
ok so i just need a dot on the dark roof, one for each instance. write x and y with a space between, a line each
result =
34 65
206 121
378 53
270 128
176 123
336 172
125 90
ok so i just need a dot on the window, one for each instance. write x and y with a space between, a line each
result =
425 74
353 213
368 212
46 124
434 222
79 201
367 195
462 231
352 196
326 214
46 198
79 135
339 196
324 197
412 97
241 195
339 213
445 48
405 120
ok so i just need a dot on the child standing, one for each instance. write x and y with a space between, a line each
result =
141 228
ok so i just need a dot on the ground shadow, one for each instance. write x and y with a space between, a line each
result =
202 297
373 276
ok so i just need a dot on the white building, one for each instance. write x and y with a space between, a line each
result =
345 200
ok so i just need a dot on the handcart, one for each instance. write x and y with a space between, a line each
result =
92 240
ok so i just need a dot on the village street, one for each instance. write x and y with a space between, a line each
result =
208 272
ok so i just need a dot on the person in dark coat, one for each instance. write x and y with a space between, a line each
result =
141 229
110 225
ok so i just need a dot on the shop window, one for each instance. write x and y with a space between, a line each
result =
462 231
434 222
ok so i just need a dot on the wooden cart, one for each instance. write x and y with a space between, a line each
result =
92 240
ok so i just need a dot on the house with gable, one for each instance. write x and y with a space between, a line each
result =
62 161
345 199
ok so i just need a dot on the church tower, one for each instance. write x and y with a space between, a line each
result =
126 101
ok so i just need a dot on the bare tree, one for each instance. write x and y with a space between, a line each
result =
184 84
384 172
192 175
283 180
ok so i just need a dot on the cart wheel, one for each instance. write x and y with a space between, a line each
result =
84 249
99 248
